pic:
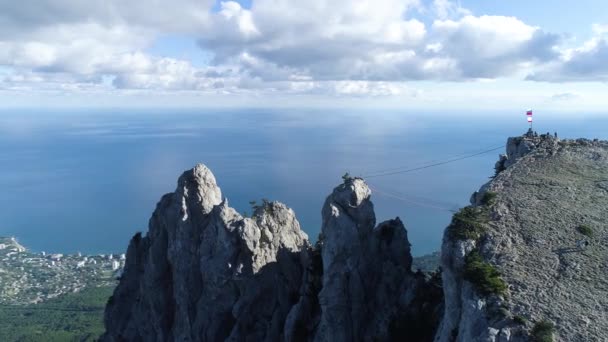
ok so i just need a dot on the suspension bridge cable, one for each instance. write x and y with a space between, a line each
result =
422 164
432 206
382 174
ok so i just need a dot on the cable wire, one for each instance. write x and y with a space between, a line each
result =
418 203
382 174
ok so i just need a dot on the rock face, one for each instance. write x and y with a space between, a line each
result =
205 273
518 147
367 282
528 229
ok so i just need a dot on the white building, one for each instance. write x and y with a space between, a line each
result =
115 265
56 257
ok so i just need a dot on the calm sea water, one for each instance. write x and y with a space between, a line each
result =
88 180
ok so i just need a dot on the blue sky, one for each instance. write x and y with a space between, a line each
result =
396 53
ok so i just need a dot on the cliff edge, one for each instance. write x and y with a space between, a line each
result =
529 258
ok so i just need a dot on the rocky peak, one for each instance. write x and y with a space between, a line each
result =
198 186
363 279
518 147
348 216
513 262
205 273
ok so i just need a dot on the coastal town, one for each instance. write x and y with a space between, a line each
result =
34 277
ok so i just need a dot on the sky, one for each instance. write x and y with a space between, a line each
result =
429 54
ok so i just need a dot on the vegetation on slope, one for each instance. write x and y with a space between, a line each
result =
483 275
543 332
467 224
71 317
489 197
585 230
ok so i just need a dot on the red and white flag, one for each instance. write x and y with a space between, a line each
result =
529 112
530 118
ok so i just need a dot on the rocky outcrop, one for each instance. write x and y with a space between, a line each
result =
522 235
205 273
518 147
367 284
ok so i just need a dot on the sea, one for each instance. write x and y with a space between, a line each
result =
86 180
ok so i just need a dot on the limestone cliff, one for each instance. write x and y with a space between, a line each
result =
205 273
516 264
368 290
526 261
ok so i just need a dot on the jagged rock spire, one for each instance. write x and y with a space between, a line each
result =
205 273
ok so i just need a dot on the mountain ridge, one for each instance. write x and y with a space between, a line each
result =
212 274
205 273
545 189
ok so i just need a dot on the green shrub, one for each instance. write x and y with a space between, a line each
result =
503 313
467 224
585 230
543 332
520 319
489 197
499 167
266 206
483 275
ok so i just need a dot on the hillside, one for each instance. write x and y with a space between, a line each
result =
70 317
530 226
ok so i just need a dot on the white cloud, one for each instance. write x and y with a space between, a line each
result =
446 9
599 29
559 97
24 18
374 41
332 47
75 44
329 40
233 13
584 63
363 88
76 48
492 46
